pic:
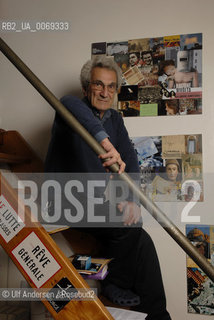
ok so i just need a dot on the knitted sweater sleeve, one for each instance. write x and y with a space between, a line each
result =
85 116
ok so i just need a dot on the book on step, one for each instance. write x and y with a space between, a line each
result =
89 267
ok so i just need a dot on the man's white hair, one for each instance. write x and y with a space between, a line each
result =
101 62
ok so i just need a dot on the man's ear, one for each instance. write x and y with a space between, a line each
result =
84 92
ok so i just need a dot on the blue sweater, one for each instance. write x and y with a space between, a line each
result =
68 152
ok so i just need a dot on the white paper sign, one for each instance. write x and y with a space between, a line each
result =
10 223
36 260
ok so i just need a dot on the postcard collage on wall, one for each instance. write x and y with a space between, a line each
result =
171 167
161 76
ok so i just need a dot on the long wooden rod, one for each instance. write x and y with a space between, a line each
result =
149 205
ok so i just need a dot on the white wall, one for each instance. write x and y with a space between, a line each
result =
56 58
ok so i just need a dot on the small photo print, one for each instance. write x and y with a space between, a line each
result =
172 41
137 45
149 94
98 48
129 108
114 48
133 75
128 93
191 41
149 109
192 166
200 289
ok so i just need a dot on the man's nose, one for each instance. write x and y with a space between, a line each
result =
104 91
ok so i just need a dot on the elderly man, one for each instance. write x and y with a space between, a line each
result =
134 274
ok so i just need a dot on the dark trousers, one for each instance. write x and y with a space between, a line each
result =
135 266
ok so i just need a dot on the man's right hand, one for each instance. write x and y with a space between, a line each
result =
111 155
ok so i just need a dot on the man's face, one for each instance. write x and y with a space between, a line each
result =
147 58
102 89
133 59
172 172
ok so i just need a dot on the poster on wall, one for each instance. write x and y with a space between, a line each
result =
165 74
200 289
171 167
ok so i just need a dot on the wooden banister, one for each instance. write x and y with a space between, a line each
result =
28 237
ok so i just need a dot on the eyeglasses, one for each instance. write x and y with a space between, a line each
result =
99 86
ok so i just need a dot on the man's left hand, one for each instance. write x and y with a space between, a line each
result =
131 212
